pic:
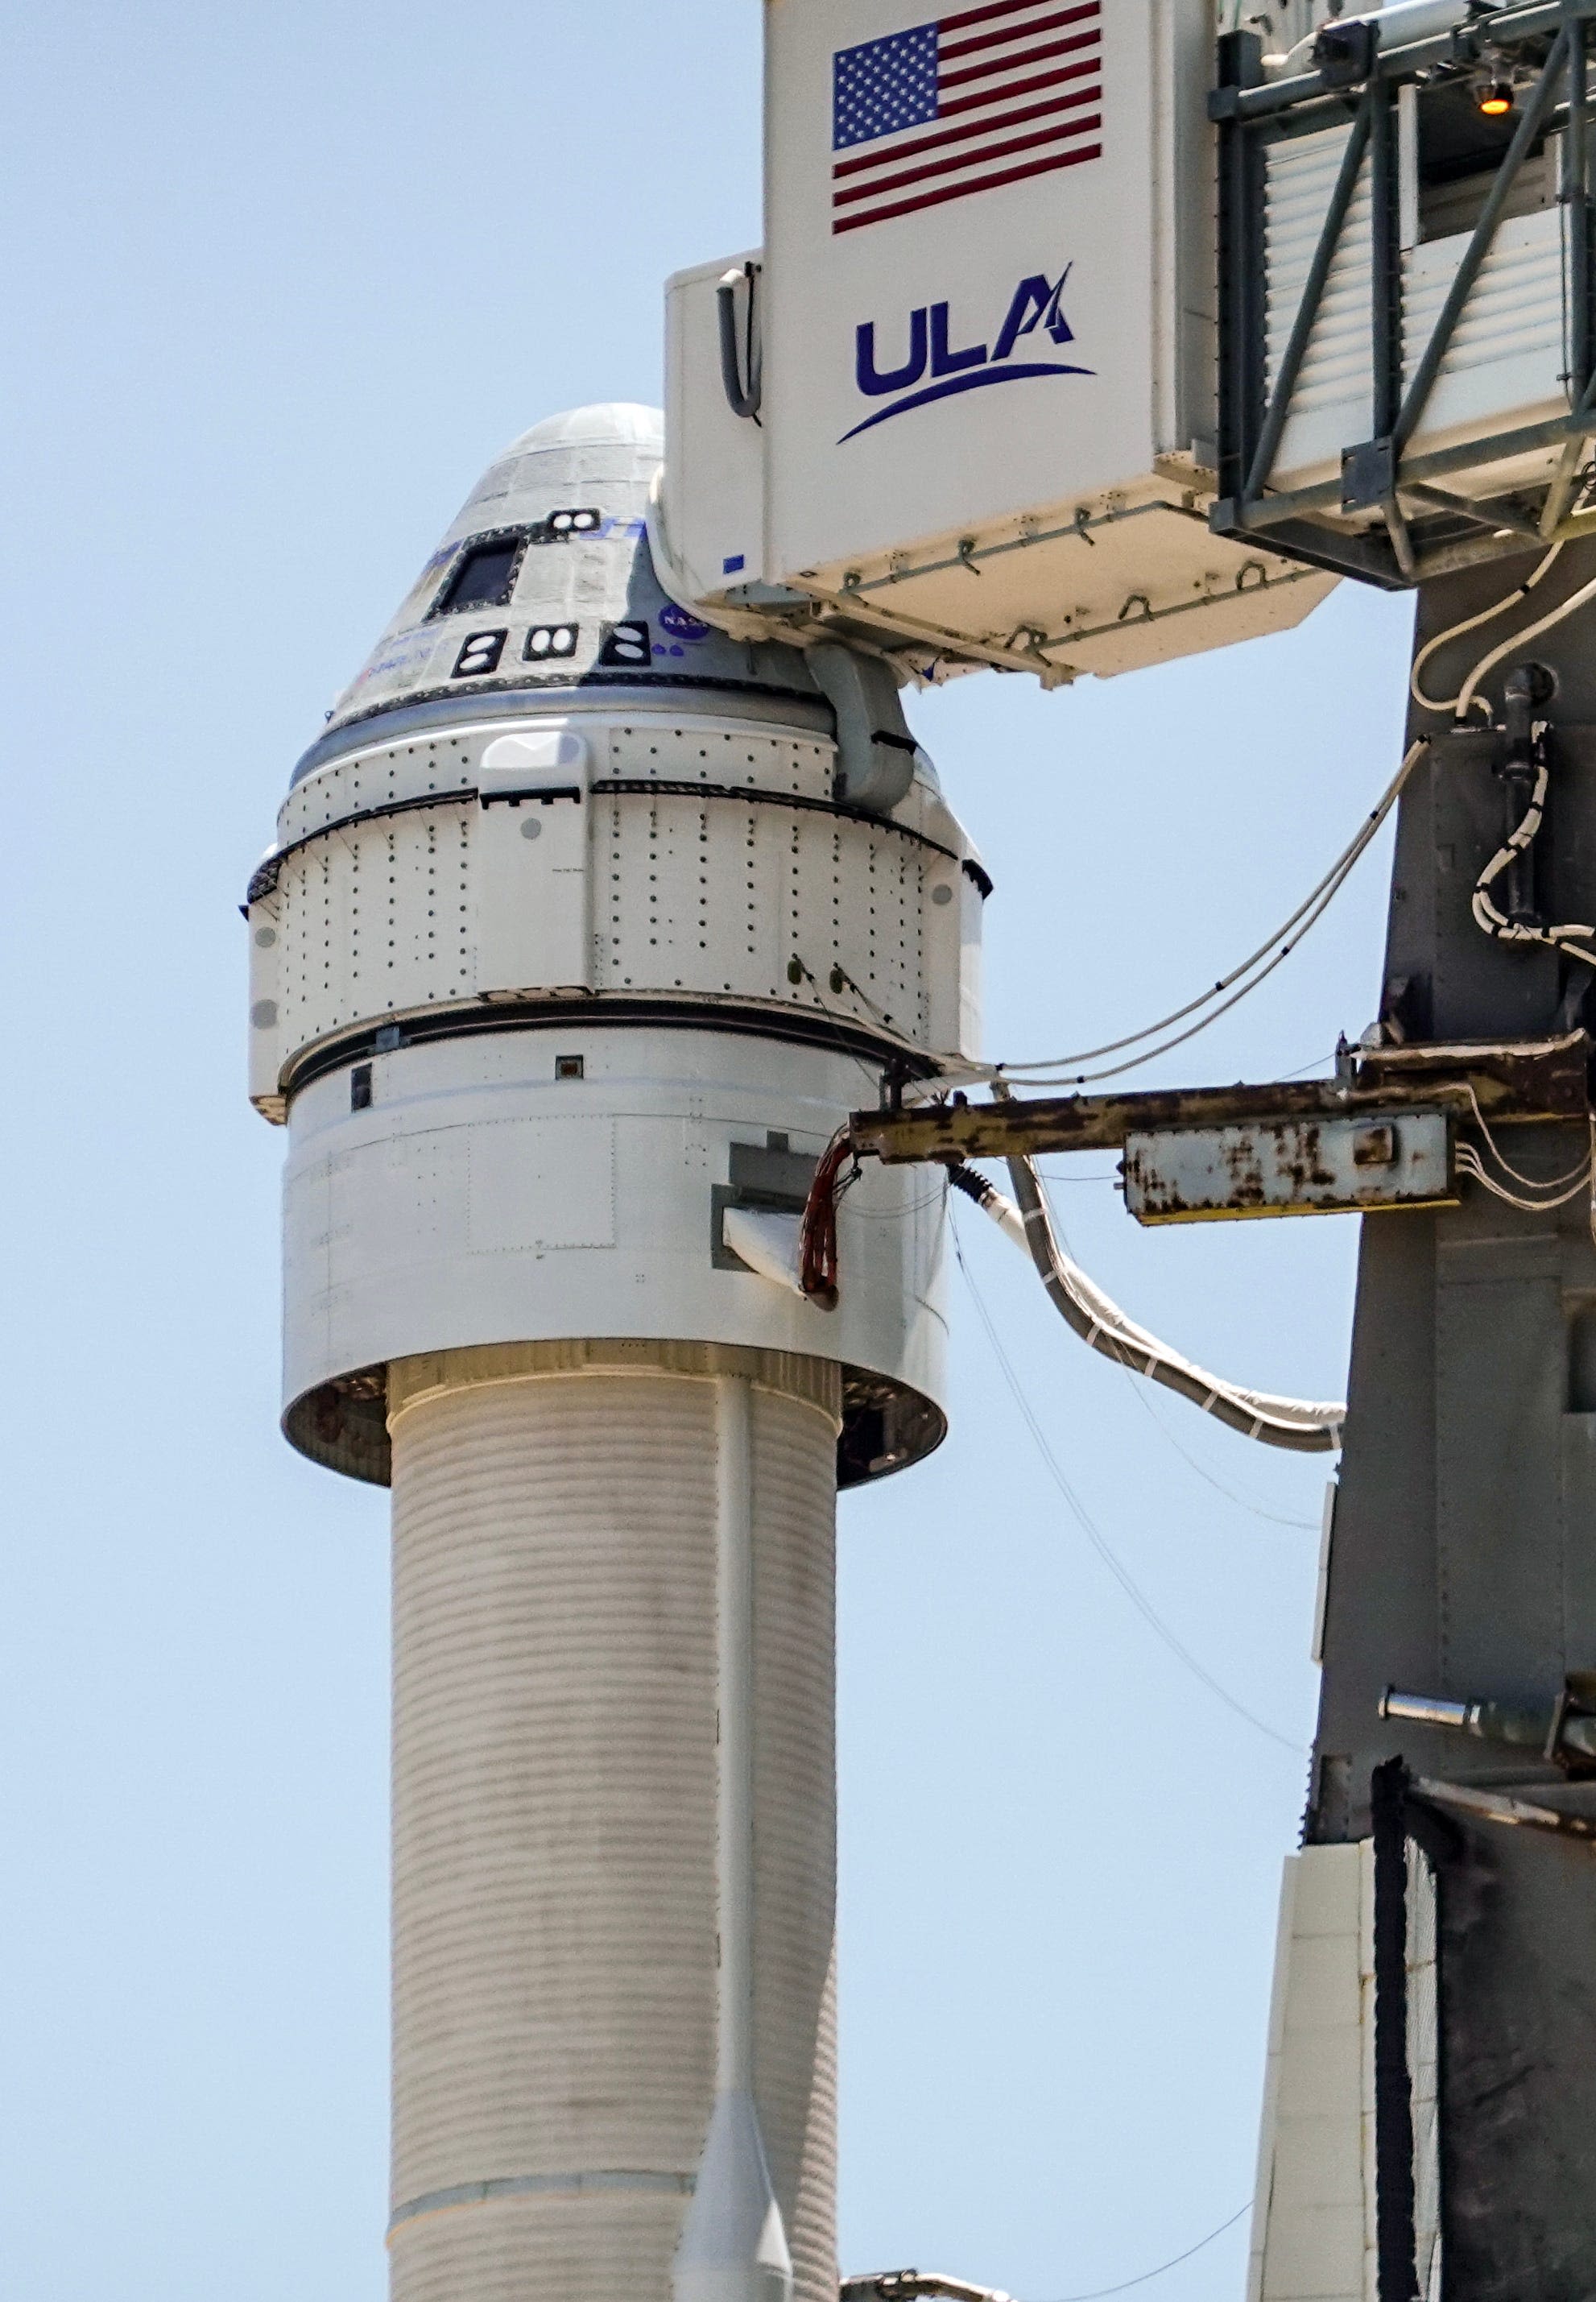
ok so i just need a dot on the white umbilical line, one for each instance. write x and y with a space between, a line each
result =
1465 698
1303 1425
1556 1193
1237 983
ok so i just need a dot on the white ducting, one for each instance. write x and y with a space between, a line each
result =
562 1518
733 2245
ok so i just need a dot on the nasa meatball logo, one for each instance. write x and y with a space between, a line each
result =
681 630
935 366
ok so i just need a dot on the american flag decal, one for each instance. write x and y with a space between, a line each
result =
1009 89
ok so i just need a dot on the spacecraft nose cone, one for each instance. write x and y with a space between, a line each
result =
545 582
607 423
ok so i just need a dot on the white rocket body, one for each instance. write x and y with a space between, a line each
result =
584 928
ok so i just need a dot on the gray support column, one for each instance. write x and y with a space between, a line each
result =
1463 1558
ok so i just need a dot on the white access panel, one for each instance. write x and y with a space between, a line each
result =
715 528
265 1000
534 927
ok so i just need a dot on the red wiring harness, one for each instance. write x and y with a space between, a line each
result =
816 1268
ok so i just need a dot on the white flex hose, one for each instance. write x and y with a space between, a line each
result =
1305 1426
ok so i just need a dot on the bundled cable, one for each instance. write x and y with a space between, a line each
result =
816 1236
1232 986
1489 914
1305 1426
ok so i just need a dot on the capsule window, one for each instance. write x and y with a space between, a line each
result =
485 574
480 653
566 526
546 640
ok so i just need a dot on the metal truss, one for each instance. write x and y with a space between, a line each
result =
1419 529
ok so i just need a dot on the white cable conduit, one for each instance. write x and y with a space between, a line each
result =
1455 703
1522 639
1399 22
917 2286
1302 1425
1466 699
734 2247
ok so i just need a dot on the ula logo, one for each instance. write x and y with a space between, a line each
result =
1033 306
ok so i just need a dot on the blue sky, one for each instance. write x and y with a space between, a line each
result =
277 284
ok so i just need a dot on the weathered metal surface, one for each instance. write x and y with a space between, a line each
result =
1354 1164
1513 1080
1502 1807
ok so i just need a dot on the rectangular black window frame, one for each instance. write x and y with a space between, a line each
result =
484 573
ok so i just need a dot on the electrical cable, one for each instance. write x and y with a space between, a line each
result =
1275 948
1101 2293
1488 914
1471 623
1521 639
1231 1494
1093 1532
1469 1164
1531 1183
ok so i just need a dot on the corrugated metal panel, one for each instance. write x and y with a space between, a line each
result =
1337 376
1505 360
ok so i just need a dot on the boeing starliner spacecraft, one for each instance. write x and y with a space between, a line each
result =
584 927
614 975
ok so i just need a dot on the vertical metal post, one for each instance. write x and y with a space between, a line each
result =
1240 271
1577 201
1385 257
1394 2196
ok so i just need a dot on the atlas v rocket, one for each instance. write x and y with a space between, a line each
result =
617 882
583 927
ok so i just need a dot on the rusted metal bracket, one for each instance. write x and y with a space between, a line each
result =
1513 1083
1501 1807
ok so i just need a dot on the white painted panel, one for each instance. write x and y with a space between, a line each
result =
1424 2063
535 924
691 888
265 1007
713 484
404 1236
539 1183
1334 402
965 454
1506 361
1309 2218
533 930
